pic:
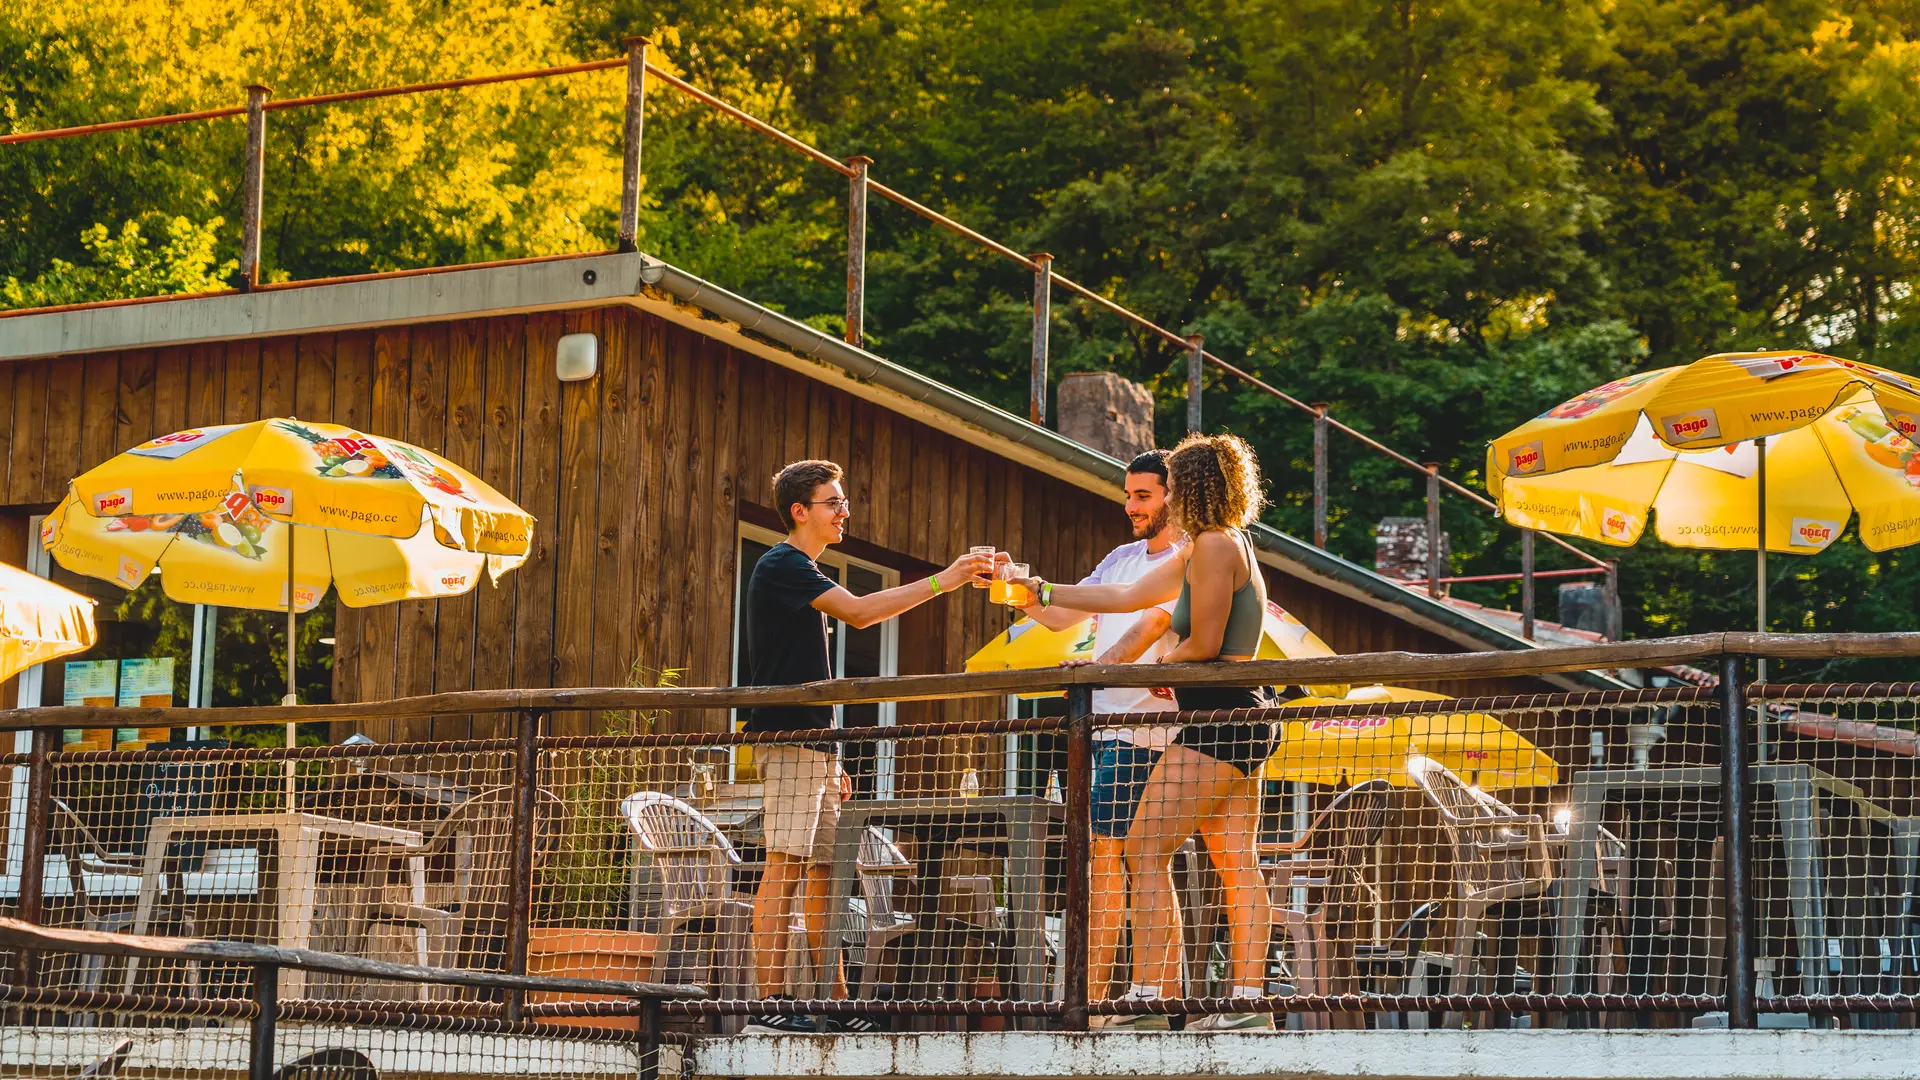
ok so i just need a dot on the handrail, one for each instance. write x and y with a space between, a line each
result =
20 934
1358 668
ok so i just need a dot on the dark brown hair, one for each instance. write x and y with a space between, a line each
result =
1215 484
795 484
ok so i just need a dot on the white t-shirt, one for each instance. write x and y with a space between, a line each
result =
1123 565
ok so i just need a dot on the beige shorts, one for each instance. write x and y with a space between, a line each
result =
802 801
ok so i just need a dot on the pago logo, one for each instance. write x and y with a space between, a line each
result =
113 502
1691 426
453 581
1813 532
1528 458
1615 523
1356 724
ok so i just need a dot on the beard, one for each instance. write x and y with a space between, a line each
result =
1155 523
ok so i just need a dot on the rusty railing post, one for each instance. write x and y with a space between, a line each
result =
1320 475
1196 364
1042 318
630 143
1526 584
253 178
33 857
1736 828
648 1034
266 1003
857 251
1079 854
1616 623
526 801
1433 529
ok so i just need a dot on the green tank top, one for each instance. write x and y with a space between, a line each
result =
1244 618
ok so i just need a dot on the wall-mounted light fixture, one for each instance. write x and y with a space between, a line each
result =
577 357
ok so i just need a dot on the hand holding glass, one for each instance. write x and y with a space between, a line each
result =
1007 585
980 549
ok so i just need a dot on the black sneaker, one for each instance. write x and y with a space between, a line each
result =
781 1025
853 1025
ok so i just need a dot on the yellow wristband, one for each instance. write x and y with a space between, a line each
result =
935 582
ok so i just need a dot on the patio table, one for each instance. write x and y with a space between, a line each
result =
1792 789
298 837
1020 825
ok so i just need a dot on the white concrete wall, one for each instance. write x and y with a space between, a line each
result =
1494 1055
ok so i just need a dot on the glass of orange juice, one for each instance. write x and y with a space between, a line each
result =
1021 596
1001 587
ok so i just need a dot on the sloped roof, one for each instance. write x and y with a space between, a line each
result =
653 286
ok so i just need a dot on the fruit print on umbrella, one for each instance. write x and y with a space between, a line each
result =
347 455
1590 402
238 527
357 455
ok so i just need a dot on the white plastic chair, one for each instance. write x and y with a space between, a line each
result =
704 927
1499 857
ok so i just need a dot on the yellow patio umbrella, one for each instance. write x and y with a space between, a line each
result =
1027 644
1351 750
266 515
39 621
1696 444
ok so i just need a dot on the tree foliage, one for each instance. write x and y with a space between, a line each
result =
1441 217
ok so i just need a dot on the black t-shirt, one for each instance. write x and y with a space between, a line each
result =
786 636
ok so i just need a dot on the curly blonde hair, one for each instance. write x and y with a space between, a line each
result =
1214 483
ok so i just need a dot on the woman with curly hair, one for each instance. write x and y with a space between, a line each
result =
1207 781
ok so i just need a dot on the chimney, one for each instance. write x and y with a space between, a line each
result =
1583 606
1400 548
1104 412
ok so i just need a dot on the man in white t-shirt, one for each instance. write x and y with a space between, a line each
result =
1123 757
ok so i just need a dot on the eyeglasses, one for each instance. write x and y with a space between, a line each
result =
836 505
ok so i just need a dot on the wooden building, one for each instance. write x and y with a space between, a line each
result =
648 480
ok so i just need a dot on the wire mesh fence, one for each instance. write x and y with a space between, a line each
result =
1392 859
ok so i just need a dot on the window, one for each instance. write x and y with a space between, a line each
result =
854 654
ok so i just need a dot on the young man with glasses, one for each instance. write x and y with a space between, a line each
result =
1123 758
785 618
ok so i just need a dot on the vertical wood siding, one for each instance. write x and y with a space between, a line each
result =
637 479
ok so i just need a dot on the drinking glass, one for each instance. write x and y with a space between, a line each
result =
1001 586
1017 594
980 549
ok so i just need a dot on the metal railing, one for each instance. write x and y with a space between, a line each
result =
1727 848
277 1029
860 184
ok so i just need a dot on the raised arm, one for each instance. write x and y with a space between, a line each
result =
1156 586
861 612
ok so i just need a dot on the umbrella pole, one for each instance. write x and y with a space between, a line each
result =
1760 595
292 698
1760 553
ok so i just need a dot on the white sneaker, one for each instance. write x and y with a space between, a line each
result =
1232 1022
1136 1022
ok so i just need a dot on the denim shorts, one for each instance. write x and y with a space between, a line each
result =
1120 772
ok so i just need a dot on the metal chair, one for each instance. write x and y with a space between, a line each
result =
476 840
1338 844
882 931
704 927
1500 859
89 863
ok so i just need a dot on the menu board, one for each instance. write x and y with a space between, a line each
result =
145 682
90 682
